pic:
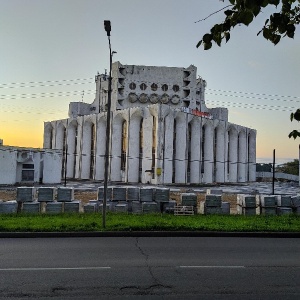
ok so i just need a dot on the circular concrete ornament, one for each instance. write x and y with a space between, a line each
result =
175 99
154 98
164 99
132 97
143 98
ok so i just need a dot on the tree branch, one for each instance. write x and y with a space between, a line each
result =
213 13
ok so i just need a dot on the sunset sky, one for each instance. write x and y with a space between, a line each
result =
51 50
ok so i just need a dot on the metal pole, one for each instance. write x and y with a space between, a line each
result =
273 179
107 28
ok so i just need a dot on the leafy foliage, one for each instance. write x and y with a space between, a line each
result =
263 167
278 25
291 167
295 116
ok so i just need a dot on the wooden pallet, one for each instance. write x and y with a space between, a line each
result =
181 210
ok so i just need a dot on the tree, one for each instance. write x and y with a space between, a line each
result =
276 26
291 167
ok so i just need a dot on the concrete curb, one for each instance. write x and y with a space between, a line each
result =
149 234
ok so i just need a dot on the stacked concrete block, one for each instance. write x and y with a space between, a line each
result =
54 208
246 204
8 207
162 195
136 207
267 204
168 207
119 193
72 207
189 199
121 207
108 207
146 195
133 194
150 207
213 204
46 194
284 204
25 194
214 192
296 204
31 207
90 208
225 208
100 193
65 194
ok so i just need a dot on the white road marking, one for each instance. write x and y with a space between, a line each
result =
54 269
212 267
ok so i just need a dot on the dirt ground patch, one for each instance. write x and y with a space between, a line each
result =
6 195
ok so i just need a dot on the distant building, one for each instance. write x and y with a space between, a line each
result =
161 131
29 165
1 142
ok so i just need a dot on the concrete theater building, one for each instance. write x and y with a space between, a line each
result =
161 131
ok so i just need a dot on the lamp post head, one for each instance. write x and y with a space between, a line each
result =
107 27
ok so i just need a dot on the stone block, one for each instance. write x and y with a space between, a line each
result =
267 201
90 208
133 194
119 194
8 207
162 195
225 208
150 207
121 208
189 199
212 210
100 193
168 207
146 194
249 211
65 194
25 194
46 194
295 201
72 207
213 200
284 210
31 207
214 192
284 200
271 211
54 208
136 207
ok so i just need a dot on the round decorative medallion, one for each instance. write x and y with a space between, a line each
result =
132 97
154 98
175 99
154 87
143 98
132 86
164 98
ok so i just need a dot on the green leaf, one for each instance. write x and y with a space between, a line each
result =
198 44
292 117
207 38
290 30
227 36
228 12
294 134
207 46
232 1
246 17
297 115
267 33
275 39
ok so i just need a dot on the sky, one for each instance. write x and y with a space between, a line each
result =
51 51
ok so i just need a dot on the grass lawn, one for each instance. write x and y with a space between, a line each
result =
147 222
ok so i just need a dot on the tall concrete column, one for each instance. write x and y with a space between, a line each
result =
47 136
100 149
59 139
180 162
147 146
208 152
220 153
195 150
116 148
168 151
242 156
71 138
226 154
86 150
78 157
233 154
252 155
134 148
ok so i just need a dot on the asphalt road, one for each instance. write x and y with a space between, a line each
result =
150 268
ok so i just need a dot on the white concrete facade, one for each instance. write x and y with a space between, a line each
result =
161 132
29 165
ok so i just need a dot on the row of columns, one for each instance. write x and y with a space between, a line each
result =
218 151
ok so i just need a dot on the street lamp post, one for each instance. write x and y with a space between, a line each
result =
107 27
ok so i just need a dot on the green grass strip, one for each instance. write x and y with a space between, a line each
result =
147 222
